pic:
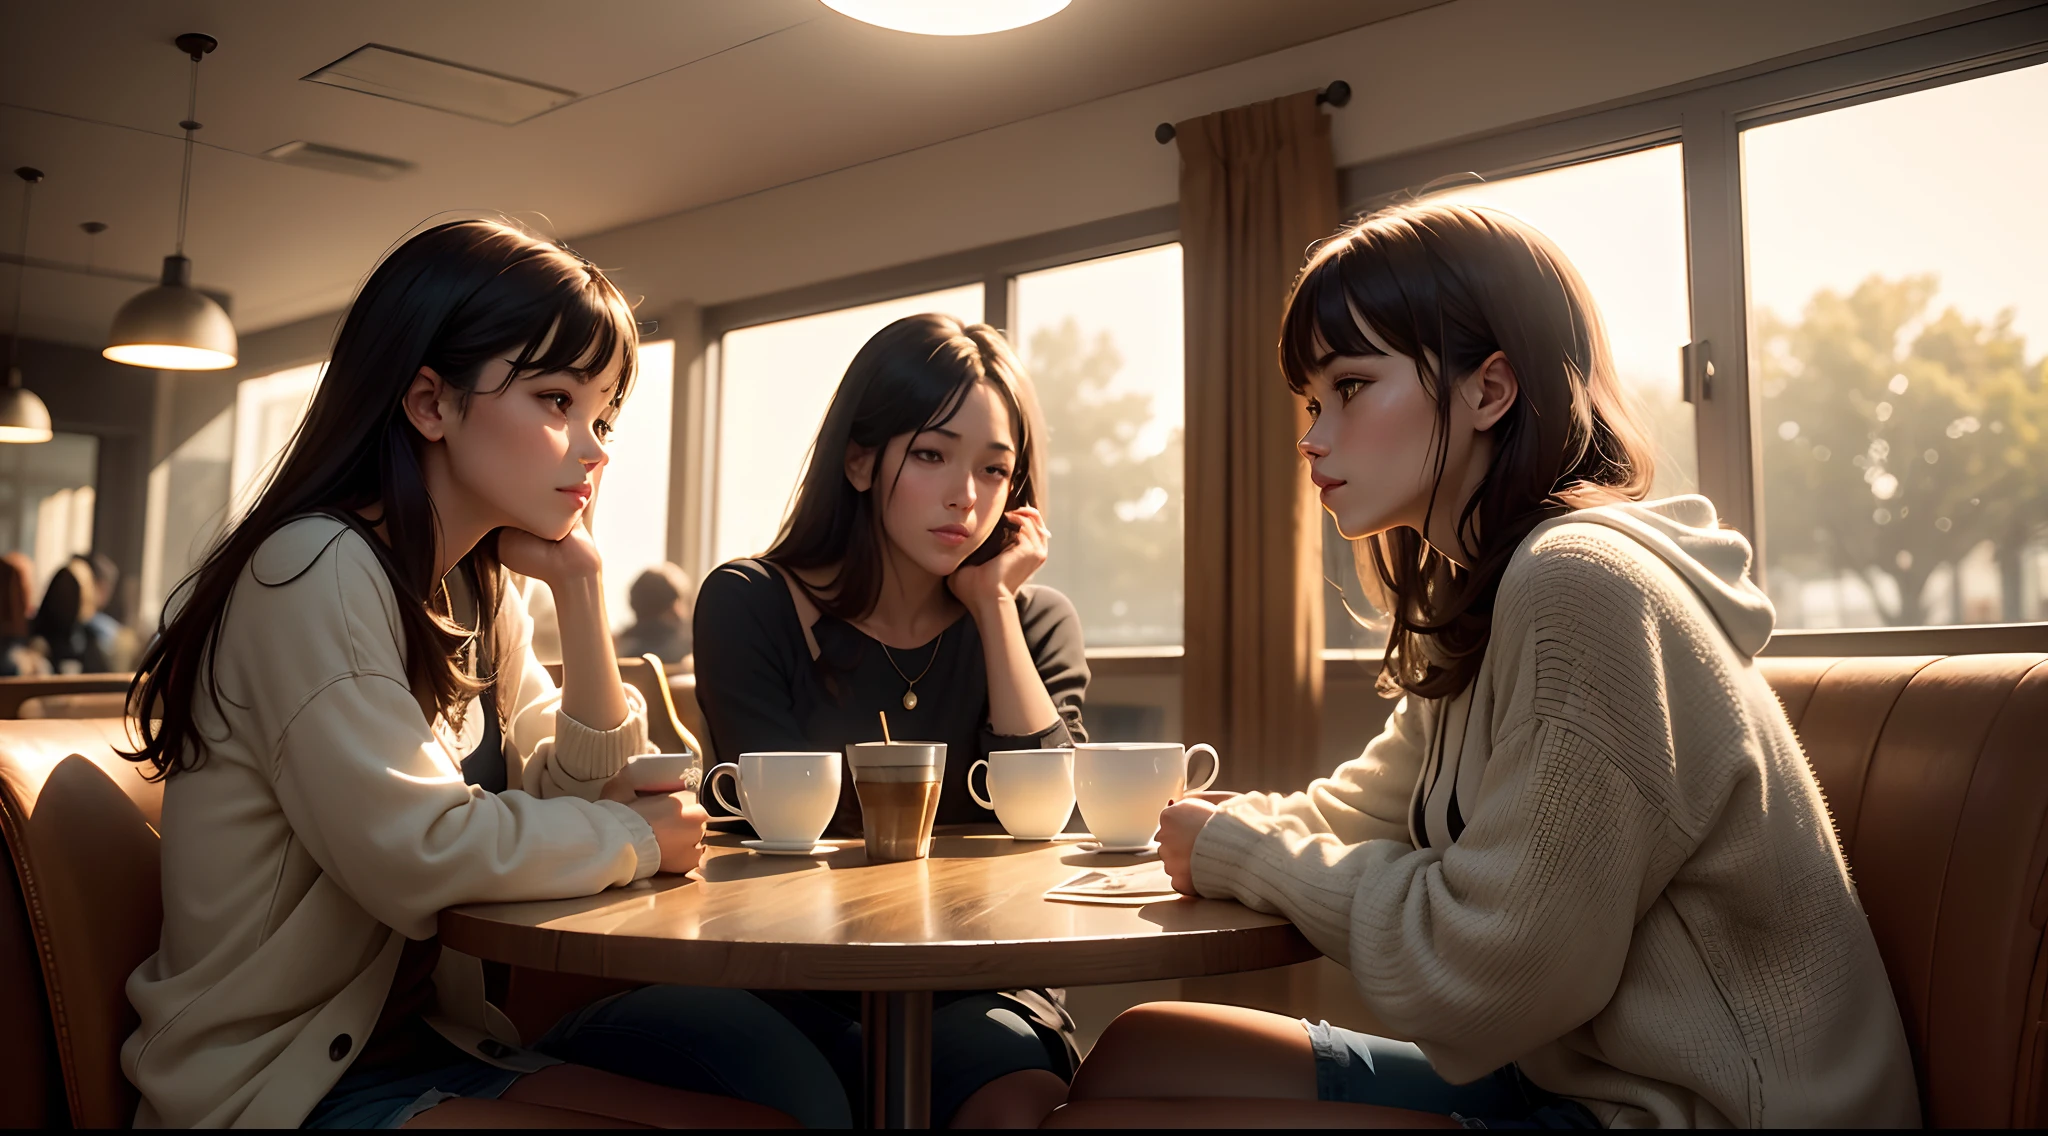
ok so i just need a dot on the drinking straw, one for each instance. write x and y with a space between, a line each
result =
884 716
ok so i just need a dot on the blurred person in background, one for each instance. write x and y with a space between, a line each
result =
69 601
661 598
18 655
118 642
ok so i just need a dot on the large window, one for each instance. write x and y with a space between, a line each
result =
1621 221
1102 340
189 493
1899 327
268 410
46 502
630 518
775 381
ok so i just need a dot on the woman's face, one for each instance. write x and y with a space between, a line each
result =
532 454
953 486
1371 447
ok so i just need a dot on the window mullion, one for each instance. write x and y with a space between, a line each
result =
1724 415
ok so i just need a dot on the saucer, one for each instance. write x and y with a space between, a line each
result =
1122 849
788 848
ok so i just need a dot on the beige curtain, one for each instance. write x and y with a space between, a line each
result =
1257 187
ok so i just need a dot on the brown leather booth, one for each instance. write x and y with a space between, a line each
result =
1936 770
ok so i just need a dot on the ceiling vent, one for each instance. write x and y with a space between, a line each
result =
425 81
335 160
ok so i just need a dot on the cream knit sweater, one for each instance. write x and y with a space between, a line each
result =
1607 861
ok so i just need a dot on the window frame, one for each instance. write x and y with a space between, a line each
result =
1706 116
992 266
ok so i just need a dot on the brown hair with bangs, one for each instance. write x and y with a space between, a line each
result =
911 376
1449 285
452 298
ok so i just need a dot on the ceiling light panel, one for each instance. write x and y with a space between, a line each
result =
335 160
948 17
425 81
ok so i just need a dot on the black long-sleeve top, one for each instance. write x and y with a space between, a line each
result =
761 690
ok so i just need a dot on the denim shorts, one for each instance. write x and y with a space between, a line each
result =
1359 1068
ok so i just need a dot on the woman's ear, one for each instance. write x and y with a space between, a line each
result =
1490 390
424 405
860 466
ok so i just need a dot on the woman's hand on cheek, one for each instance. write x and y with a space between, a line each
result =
999 578
1179 824
552 562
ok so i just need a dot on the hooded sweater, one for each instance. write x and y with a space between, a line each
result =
1606 860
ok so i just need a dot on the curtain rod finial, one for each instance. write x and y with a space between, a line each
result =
1163 133
1336 94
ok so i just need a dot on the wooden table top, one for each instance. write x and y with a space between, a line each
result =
971 917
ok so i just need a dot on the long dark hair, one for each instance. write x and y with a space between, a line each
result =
911 376
452 298
1448 286
15 590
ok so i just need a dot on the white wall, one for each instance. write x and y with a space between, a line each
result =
1418 80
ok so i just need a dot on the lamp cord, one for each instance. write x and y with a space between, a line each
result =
190 124
28 193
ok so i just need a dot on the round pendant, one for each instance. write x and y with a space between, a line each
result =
910 700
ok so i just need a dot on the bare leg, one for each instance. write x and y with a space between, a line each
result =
575 1095
1198 1049
1014 1100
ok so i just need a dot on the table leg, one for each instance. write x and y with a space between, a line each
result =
896 1046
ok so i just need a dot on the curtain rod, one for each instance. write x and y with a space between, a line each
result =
1336 94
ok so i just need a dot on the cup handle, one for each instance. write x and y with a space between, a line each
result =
711 786
984 802
1215 766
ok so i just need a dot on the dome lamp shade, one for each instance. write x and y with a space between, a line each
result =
23 417
173 326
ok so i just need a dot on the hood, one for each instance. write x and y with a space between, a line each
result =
1685 533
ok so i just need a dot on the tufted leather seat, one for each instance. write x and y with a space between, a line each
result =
1936 772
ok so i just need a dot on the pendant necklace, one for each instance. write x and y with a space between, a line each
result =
910 694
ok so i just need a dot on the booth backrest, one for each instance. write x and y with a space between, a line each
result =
14 691
1936 773
100 704
80 909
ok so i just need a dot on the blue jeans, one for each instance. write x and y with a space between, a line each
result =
1359 1068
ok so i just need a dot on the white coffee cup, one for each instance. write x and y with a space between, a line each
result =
788 797
1030 790
1122 786
663 772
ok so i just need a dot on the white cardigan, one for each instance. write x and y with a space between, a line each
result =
329 822
1607 861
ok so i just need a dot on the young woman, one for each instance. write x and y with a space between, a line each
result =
63 620
355 734
1585 871
18 654
898 584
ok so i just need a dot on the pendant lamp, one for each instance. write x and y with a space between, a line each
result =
173 326
23 417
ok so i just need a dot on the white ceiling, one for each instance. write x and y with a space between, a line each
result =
686 102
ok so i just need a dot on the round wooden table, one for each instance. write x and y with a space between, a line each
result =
971 917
